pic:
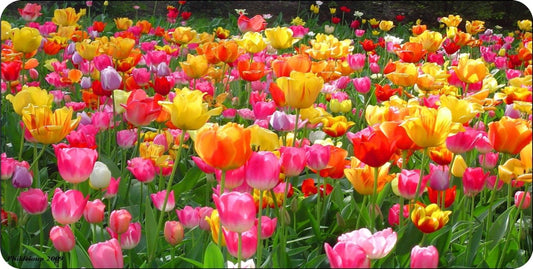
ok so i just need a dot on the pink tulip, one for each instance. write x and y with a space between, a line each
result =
67 207
362 84
126 138
205 212
376 246
262 170
483 144
292 160
317 156
22 177
141 76
359 32
394 214
346 255
374 68
102 120
424 257
356 61
249 243
268 226
488 160
233 178
142 169
491 180
202 165
438 177
107 254
236 210
130 238
173 232
119 220
299 31
408 182
462 141
7 166
94 211
62 238
262 109
83 137
75 164
159 199
474 180
188 216
519 196
33 201
112 189
102 61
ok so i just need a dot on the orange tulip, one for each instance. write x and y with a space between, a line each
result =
282 66
474 27
429 218
405 74
251 71
48 127
509 135
336 164
227 51
397 135
196 66
208 49
470 70
441 155
362 176
225 148
411 52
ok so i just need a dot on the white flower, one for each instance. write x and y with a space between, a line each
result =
357 13
319 3
100 176
246 264
241 11
328 29
392 39
311 33
267 16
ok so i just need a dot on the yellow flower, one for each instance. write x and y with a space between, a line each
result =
252 42
462 109
313 114
123 23
430 218
214 221
386 25
298 21
451 20
187 110
470 70
459 166
6 30
336 126
362 176
67 16
511 169
280 37
325 46
314 8
430 40
150 150
300 90
48 127
429 127
119 47
373 21
184 35
120 97
30 95
196 66
405 74
332 10
263 139
26 39
524 25
344 106
87 49
474 27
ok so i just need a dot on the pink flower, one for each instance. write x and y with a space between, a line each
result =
408 182
62 238
424 257
30 12
462 141
262 170
112 188
474 180
298 31
67 207
519 196
159 200
362 84
236 210
394 214
130 238
107 254
33 201
438 177
102 61
94 211
119 220
488 160
7 166
254 24
263 109
142 169
173 232
126 138
83 137
376 246
22 177
204 212
189 216
292 160
234 178
346 255
206 168
317 156
356 61
249 242
110 79
141 76
75 164
268 226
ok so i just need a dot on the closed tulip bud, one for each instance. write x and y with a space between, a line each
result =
424 257
126 138
522 201
119 220
62 238
268 226
100 176
130 238
408 183
459 166
7 167
67 207
107 254
362 84
233 178
173 232
488 160
280 121
474 180
22 177
159 199
317 156
439 177
33 201
143 170
94 211
249 243
292 160
112 188
237 211
262 170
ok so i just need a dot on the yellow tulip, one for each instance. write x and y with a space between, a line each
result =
26 39
49 127
362 176
6 30
123 23
313 114
187 110
471 70
300 90
344 106
30 95
430 40
386 25
524 25
263 139
252 42
213 222
67 16
280 37
462 109
511 169
429 127
119 47
406 74
459 166
196 66
474 27
87 49
184 35
120 97
451 20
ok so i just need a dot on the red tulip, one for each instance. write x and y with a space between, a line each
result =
119 220
371 146
140 109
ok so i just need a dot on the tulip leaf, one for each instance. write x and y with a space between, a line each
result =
191 261
499 227
473 244
187 182
213 257
41 255
151 230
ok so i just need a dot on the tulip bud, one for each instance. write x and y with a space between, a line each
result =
119 220
100 176
110 79
519 198
62 238
33 201
173 232
94 211
459 166
424 257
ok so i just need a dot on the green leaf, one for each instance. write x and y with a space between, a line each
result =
473 243
191 261
499 227
213 257
151 230
188 181
41 255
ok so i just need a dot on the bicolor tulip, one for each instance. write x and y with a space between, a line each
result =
237 211
429 127
130 238
48 127
509 135
107 254
429 218
159 199
62 238
67 207
522 200
471 70
173 232
141 110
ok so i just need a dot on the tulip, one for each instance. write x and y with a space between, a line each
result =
251 71
30 12
48 127
474 180
159 199
22 177
204 213
110 79
254 24
438 177
29 95
346 255
436 196
173 232
280 121
26 39
130 238
195 66
411 52
268 226
356 61
237 211
424 257
317 156
107 254
67 207
262 138
429 218
404 75
362 85
249 243
408 183
336 164
214 224
126 138
7 166
233 178
67 16
429 127
75 165
471 70
394 214
462 142
280 37
188 216
143 169
522 201
509 135
62 238
300 90
430 40
100 176
262 170
94 211
371 146
112 188
184 35
119 221
462 110
140 109
33 201
362 176
292 160
225 148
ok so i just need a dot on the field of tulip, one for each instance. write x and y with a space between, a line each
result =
182 141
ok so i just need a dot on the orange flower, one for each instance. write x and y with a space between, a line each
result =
144 25
208 49
470 70
336 164
397 135
429 127
405 74
48 127
362 176
430 40
251 71
411 52
196 66
418 29
282 66
227 51
429 218
474 27
336 126
52 46
441 155
225 148
509 135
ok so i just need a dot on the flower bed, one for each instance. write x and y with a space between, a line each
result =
249 142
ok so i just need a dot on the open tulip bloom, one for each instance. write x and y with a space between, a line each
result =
161 136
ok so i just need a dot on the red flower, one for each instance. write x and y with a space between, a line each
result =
335 20
309 188
355 24
436 196
450 47
185 15
400 17
371 146
141 109
336 164
383 93
161 85
11 70
368 45
99 26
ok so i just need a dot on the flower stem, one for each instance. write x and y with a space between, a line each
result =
239 250
295 126
318 206
259 241
21 143
418 186
374 198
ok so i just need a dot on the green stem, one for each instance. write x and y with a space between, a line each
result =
374 198
400 216
472 208
259 242
318 206
222 182
239 250
41 234
419 185
21 143
423 240
295 126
